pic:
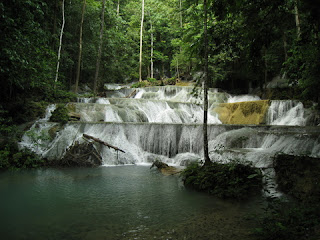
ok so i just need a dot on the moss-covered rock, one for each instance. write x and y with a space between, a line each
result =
80 155
231 180
253 112
298 176
54 130
153 82
60 114
164 168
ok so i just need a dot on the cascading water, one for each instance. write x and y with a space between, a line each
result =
141 110
38 135
166 123
243 98
286 113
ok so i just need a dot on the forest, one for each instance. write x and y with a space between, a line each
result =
57 60
53 50
249 44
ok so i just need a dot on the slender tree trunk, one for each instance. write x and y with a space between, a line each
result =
95 83
118 8
151 60
180 3
297 18
141 31
178 73
206 71
60 44
180 6
80 47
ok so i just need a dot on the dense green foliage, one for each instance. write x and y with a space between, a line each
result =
10 155
289 220
12 158
299 216
249 44
298 176
230 180
60 114
153 82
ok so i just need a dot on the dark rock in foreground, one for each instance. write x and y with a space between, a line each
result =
81 155
298 176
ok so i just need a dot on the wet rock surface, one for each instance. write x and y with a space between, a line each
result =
298 176
164 168
81 155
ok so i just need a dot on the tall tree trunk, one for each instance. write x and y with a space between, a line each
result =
95 83
178 73
151 55
205 102
180 48
118 8
60 44
141 31
180 3
297 18
80 47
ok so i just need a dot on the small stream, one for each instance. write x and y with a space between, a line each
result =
124 202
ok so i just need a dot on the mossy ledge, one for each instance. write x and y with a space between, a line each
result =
252 112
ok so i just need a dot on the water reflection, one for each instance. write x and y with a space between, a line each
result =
129 202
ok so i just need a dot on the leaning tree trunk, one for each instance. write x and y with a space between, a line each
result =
80 47
206 71
95 83
141 31
60 43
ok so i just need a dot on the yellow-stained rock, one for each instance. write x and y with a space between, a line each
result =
164 168
167 171
252 112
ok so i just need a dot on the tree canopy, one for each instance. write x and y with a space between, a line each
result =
249 43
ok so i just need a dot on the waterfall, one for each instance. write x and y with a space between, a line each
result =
166 123
286 112
141 110
38 135
243 98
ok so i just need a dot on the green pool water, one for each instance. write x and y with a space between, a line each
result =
127 202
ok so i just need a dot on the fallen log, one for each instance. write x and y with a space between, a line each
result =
132 94
102 142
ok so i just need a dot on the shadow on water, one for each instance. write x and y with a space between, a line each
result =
128 202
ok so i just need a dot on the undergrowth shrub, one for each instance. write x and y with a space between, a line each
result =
139 84
230 180
60 114
289 220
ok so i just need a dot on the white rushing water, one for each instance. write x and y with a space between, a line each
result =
140 110
243 98
178 143
164 123
286 112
